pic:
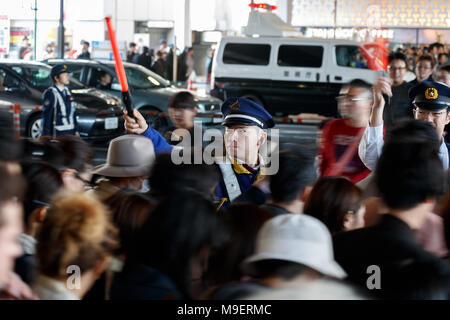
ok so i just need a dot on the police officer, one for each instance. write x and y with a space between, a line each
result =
430 102
245 123
58 117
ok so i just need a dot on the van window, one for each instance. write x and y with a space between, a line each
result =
300 56
350 56
243 53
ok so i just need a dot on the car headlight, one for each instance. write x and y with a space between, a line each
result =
80 106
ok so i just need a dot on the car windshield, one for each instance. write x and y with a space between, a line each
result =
39 77
139 77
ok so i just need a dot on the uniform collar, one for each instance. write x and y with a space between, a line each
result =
239 166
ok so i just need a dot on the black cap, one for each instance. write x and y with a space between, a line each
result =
57 69
430 95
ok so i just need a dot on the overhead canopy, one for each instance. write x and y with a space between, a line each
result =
268 24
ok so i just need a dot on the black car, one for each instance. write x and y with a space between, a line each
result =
150 92
99 114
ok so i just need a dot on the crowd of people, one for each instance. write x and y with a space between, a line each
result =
368 217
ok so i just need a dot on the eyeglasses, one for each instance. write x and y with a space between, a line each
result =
349 99
426 114
396 68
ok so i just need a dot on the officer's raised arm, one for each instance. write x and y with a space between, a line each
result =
140 126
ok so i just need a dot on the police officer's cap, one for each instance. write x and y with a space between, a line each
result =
246 112
430 95
57 69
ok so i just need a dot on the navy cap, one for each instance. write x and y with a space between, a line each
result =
246 112
57 69
430 95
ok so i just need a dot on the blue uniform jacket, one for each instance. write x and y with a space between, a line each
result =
61 104
245 177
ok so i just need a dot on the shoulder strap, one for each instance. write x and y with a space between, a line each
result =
230 180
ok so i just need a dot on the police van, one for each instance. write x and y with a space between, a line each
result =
290 75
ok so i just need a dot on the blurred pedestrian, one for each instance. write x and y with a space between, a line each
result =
337 202
159 66
85 54
443 74
132 52
424 70
145 59
338 151
78 237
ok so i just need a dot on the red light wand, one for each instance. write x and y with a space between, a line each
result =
120 70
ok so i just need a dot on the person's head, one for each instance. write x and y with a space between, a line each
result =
145 50
177 237
358 102
410 175
71 156
291 245
11 185
129 211
163 44
243 222
60 74
133 46
105 78
182 109
436 48
296 172
43 182
168 178
338 203
244 122
397 68
431 101
424 68
443 74
128 161
85 46
442 58
189 51
76 232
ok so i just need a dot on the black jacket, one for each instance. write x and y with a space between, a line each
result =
406 269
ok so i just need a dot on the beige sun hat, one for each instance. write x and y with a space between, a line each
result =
128 156
296 238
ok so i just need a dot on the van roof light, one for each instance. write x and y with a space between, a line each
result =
262 6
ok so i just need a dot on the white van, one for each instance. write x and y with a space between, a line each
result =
288 75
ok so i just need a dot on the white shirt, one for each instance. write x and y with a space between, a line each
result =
369 149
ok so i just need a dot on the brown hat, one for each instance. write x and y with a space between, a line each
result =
128 156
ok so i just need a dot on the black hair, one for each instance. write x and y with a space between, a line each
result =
331 199
243 221
132 44
145 50
177 231
129 210
296 171
284 269
408 173
11 148
86 42
410 130
167 178
43 182
67 152
183 99
398 56
359 83
426 58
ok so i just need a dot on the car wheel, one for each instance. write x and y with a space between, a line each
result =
34 130
154 118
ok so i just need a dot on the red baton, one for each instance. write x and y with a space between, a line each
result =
120 70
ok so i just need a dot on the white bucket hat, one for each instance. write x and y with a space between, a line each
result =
296 238
128 156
